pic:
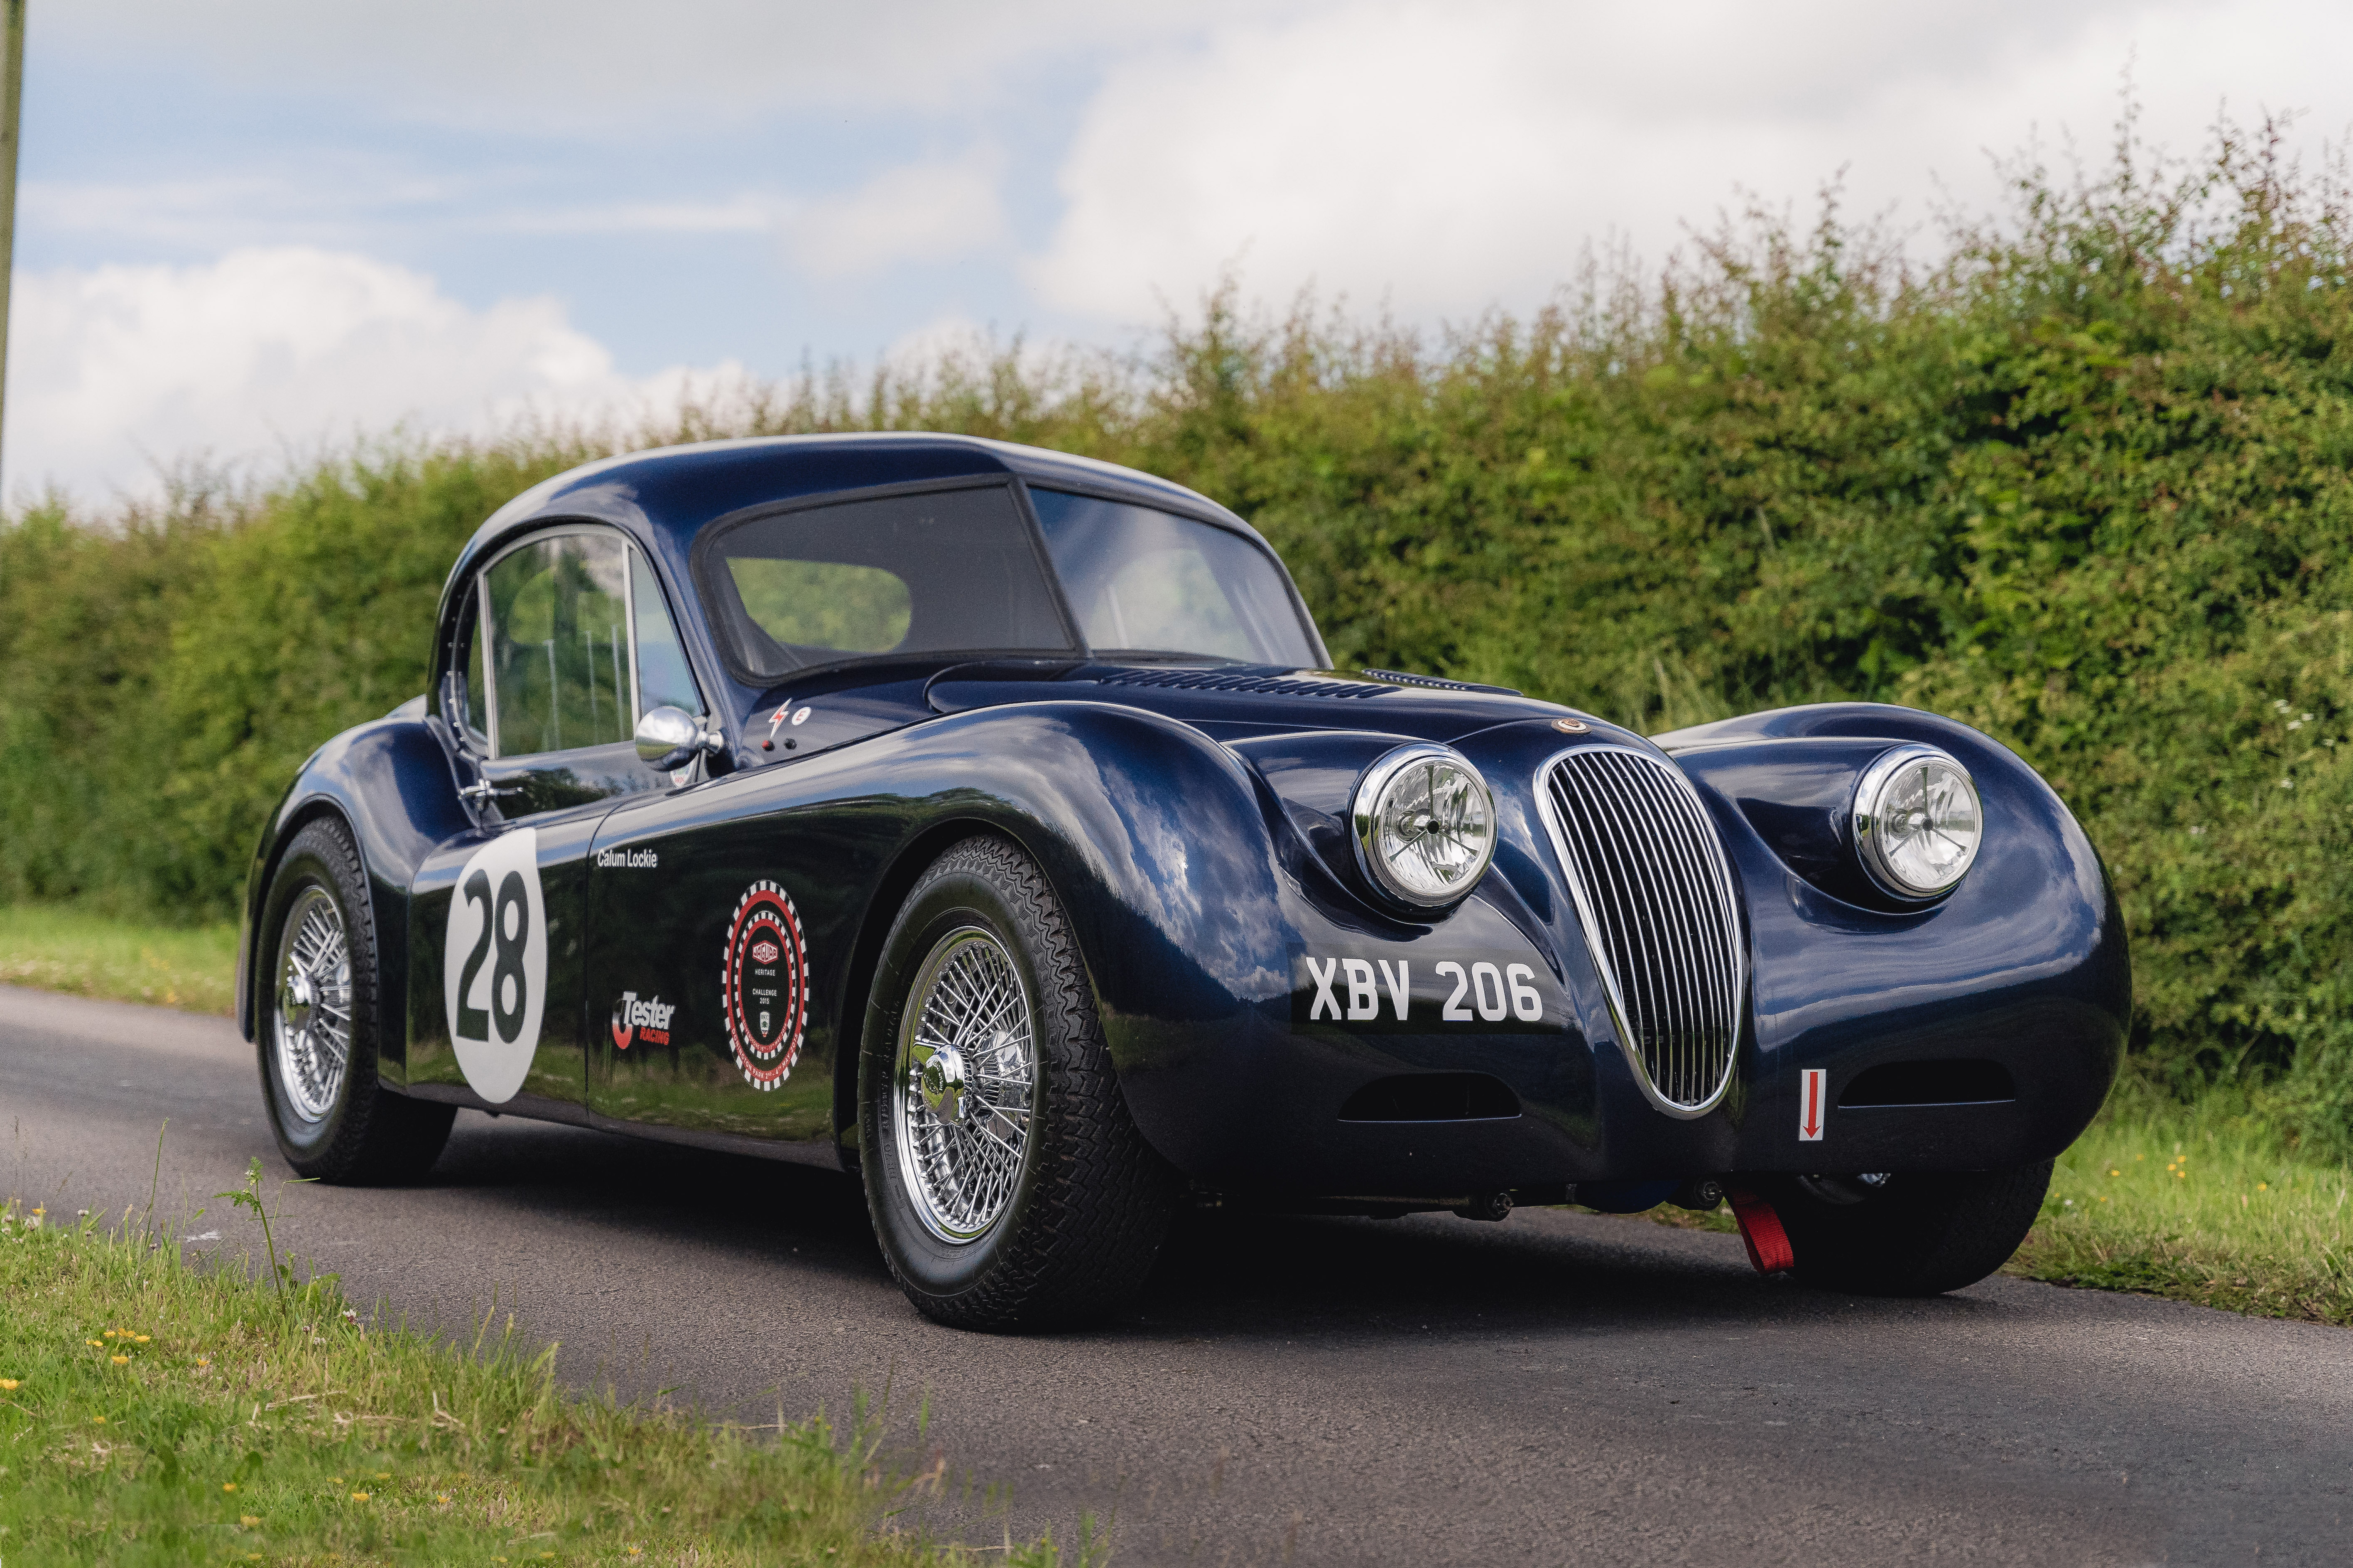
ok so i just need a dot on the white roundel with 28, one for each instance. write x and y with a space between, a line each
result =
494 964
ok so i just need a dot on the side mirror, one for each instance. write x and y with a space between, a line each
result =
671 737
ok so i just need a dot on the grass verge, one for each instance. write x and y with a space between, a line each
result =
156 1410
2201 1203
56 947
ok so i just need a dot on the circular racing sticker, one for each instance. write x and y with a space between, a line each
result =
766 984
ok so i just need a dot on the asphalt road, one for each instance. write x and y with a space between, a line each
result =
1556 1389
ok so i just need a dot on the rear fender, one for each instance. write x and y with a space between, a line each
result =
393 784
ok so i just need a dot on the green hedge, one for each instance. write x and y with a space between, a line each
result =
2083 483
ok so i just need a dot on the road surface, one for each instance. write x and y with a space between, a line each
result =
1559 1388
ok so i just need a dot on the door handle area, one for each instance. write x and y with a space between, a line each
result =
485 790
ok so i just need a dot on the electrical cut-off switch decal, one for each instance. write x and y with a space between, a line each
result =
1813 1086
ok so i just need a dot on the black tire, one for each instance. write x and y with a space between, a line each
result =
1090 1202
354 1130
1918 1234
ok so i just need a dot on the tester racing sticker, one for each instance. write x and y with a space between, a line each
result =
766 984
648 1021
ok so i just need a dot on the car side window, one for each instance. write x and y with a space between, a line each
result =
664 677
558 646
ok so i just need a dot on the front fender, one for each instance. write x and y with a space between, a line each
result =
2026 961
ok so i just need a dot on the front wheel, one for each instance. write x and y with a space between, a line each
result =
1008 1187
316 943
1907 1234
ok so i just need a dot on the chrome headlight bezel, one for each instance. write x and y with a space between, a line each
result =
1390 770
1872 848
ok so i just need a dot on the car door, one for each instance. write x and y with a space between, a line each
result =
542 706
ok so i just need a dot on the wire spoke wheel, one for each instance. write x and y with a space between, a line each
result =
310 1027
965 1092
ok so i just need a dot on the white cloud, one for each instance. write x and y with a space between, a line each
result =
115 369
1450 157
930 212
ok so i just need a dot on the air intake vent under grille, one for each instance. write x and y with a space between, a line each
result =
1655 896
1281 686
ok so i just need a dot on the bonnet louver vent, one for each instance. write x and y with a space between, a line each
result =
1276 685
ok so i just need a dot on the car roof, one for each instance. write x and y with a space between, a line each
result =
668 495
664 498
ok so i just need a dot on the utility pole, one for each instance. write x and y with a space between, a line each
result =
12 115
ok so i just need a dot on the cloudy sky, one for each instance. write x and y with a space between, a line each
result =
250 227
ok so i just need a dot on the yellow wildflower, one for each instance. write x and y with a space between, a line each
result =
8 1385
228 1486
120 1360
359 1496
249 1519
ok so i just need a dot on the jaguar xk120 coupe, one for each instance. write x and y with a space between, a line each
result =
988 823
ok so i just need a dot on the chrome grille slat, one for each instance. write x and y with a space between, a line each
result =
1702 983
1655 897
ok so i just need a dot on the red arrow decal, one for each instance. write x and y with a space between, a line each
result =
1814 1085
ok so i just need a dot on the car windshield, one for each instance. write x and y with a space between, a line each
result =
959 571
936 571
1146 582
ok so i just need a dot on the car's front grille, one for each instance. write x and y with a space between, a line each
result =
1655 896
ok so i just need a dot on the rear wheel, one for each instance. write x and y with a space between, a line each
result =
1907 1234
1008 1184
317 1033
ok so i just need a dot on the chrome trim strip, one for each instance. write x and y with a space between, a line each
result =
1674 929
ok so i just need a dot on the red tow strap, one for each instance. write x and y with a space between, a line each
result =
1760 1230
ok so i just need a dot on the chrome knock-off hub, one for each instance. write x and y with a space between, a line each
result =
943 1085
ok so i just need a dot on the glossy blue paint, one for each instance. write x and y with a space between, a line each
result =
1248 983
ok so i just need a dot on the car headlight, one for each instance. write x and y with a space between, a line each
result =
1917 822
1424 825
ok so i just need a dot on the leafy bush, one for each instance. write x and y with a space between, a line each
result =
2082 483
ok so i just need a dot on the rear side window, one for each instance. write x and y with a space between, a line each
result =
478 690
946 571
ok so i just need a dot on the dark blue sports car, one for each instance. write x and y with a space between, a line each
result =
988 823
